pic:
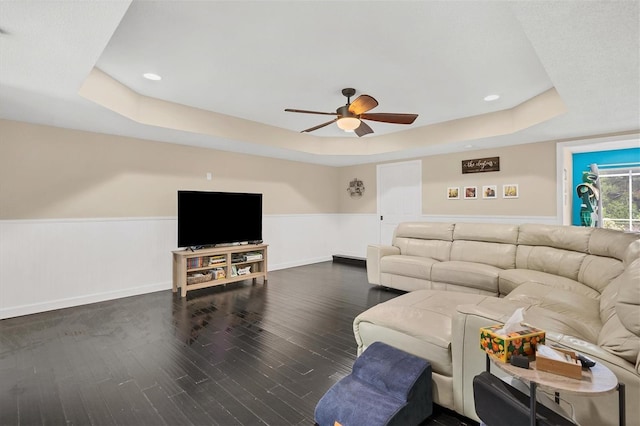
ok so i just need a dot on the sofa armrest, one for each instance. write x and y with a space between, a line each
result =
375 252
467 356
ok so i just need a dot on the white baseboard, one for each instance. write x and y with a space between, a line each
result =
51 305
299 262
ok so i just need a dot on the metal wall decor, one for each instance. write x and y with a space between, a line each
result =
355 188
481 165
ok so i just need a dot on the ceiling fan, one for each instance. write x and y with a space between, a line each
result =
349 117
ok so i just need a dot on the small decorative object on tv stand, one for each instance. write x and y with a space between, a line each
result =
190 264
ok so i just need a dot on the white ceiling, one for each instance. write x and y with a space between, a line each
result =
251 60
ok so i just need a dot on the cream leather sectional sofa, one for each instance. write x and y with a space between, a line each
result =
581 285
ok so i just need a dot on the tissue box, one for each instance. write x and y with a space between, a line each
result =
501 347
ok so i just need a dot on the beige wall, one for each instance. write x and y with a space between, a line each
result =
48 172
531 166
365 204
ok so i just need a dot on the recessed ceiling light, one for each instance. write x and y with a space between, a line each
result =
490 98
151 76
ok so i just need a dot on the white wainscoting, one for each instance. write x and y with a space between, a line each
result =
354 232
53 264
298 239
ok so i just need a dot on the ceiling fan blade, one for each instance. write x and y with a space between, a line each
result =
304 111
362 104
319 126
391 118
363 129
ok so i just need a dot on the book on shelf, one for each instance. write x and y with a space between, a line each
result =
194 262
244 271
238 258
253 256
213 260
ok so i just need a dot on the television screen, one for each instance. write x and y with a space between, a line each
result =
209 218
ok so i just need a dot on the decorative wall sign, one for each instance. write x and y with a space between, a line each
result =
470 192
481 165
510 191
453 193
355 188
490 192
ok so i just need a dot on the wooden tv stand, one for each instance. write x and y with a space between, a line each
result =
194 269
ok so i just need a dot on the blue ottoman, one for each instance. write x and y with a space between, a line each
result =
386 387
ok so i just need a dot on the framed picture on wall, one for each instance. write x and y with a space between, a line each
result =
453 193
470 192
490 192
510 190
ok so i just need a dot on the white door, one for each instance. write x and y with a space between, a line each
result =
399 195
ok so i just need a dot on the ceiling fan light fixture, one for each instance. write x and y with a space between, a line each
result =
348 123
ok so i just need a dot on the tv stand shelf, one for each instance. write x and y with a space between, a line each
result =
195 269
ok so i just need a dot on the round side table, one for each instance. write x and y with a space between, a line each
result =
597 380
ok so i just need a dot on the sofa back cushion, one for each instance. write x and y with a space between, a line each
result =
571 238
564 263
628 303
554 249
424 239
491 244
611 243
597 271
486 232
620 333
608 299
499 255
425 231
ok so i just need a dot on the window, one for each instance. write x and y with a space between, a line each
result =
621 198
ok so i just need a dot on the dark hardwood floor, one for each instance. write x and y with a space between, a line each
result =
243 354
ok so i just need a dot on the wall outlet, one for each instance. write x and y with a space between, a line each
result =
208 176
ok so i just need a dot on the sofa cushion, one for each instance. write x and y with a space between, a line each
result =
571 238
564 263
510 279
608 299
495 254
610 243
425 316
468 274
633 252
425 231
597 272
436 249
486 232
628 304
615 338
577 313
410 266
620 334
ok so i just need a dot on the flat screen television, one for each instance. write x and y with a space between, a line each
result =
209 218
